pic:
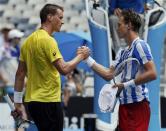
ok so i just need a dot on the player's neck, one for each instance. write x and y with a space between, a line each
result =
131 38
47 28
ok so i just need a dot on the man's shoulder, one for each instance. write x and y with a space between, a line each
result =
141 42
41 37
50 40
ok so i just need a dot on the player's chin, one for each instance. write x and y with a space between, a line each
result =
57 29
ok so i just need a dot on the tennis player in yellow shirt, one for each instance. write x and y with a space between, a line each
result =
42 63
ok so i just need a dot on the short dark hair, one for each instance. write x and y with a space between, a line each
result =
132 17
49 9
5 29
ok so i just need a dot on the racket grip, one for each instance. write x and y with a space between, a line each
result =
114 104
118 92
10 103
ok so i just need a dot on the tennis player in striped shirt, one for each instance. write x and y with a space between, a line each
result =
134 110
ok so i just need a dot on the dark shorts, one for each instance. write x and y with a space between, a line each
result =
47 116
134 117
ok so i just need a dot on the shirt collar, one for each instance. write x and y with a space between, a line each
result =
134 42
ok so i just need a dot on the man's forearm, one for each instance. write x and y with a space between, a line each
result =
73 63
18 89
145 77
19 84
105 73
66 67
20 76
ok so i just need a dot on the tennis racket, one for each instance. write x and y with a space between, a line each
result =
20 122
108 95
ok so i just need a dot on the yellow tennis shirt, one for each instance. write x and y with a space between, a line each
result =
38 52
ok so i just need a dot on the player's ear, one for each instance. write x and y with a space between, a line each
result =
127 26
49 17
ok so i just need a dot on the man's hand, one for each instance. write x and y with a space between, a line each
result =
120 85
19 111
117 12
84 51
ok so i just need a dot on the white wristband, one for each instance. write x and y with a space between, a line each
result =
129 83
18 97
90 61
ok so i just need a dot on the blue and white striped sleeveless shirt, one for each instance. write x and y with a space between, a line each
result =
140 50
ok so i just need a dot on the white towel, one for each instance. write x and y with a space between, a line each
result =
107 98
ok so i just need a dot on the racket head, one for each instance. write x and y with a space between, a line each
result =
21 123
126 62
107 98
